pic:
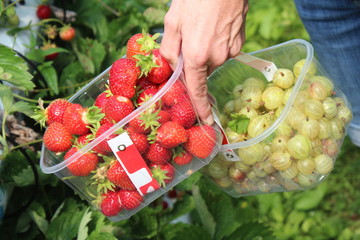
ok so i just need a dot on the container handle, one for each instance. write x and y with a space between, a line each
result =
265 67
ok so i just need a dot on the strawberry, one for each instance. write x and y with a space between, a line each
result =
182 157
123 76
174 93
117 107
130 199
54 112
43 11
183 113
84 164
146 95
57 138
67 33
101 99
140 140
84 139
158 154
155 67
201 140
141 43
171 134
110 204
163 116
163 173
143 84
78 119
103 147
145 122
117 175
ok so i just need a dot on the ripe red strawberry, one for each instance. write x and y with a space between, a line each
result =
117 175
43 11
146 95
183 157
174 93
84 164
103 147
171 134
101 99
117 107
54 112
158 154
163 116
145 122
183 113
163 173
162 72
123 76
78 119
140 140
201 140
144 84
130 199
57 138
84 139
110 205
141 43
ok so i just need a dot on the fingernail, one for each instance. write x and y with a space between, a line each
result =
209 120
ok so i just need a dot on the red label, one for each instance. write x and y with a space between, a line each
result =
133 163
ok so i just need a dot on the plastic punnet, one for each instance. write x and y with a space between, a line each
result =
292 146
141 168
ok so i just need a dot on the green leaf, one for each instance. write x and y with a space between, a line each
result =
6 97
24 178
238 123
277 209
252 230
223 213
191 232
65 226
38 215
97 235
181 207
50 75
205 216
144 224
311 198
189 182
23 107
14 69
83 228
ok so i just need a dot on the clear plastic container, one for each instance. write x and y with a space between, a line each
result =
54 163
285 139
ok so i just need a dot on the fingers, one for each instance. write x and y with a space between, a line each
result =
171 43
196 81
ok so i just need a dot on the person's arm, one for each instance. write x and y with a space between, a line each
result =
207 33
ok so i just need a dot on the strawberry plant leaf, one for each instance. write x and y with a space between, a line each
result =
312 198
24 178
14 70
205 216
144 224
6 97
83 228
192 232
252 230
37 213
238 123
23 107
100 235
50 75
181 207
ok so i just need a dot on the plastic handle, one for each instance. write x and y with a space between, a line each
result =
266 67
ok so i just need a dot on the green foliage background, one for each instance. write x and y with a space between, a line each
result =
328 211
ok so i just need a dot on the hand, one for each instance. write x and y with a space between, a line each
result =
207 33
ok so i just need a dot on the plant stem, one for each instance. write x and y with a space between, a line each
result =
27 99
6 147
27 144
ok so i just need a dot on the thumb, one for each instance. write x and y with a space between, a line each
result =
196 82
